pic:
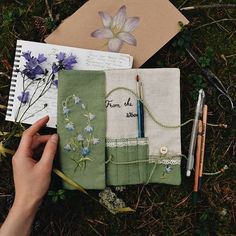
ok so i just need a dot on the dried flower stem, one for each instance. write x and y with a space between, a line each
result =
208 6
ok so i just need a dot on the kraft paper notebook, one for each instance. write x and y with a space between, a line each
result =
139 28
33 91
98 127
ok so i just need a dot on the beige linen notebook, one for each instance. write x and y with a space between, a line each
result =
139 28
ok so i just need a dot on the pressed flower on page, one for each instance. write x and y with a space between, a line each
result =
117 29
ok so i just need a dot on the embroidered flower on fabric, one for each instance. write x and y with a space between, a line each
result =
67 147
168 168
85 151
117 30
70 126
77 99
66 110
91 116
95 141
88 129
82 138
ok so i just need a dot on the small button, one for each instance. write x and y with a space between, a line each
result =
163 150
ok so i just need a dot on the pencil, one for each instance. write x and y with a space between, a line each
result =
204 126
197 163
142 110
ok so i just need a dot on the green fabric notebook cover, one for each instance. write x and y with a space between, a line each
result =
81 124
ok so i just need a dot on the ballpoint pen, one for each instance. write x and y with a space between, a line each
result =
198 113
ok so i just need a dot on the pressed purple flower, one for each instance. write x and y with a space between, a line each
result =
32 66
64 62
24 97
88 129
55 68
85 151
55 83
60 56
68 62
27 55
117 30
41 58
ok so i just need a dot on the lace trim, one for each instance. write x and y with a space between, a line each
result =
165 160
126 142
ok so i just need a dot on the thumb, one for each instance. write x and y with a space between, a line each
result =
49 152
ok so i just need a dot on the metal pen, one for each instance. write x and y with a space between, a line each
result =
192 146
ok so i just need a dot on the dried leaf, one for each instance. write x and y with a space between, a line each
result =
123 210
69 181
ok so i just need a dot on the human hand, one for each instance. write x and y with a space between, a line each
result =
32 178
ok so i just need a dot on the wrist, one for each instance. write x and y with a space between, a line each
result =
25 208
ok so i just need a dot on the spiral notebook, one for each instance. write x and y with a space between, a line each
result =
34 83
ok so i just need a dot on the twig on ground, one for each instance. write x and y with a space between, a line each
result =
214 22
49 10
207 6
5 75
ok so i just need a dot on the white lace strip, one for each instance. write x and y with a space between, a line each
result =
165 160
126 142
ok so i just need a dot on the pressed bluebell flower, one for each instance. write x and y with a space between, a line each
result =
70 126
95 141
24 97
55 83
55 68
68 62
32 66
64 62
77 99
60 56
88 129
85 151
91 116
67 147
83 106
66 110
80 137
41 58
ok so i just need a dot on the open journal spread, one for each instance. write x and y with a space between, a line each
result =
98 125
34 84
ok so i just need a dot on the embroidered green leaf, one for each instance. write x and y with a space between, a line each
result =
69 181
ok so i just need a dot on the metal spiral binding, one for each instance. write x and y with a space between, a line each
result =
16 65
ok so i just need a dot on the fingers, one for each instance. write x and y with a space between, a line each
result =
39 139
27 137
49 152
36 126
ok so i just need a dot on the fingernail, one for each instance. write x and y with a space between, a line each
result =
54 138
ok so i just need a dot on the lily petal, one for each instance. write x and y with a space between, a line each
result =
106 19
130 24
119 19
114 45
103 33
128 38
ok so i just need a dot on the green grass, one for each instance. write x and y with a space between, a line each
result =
160 209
